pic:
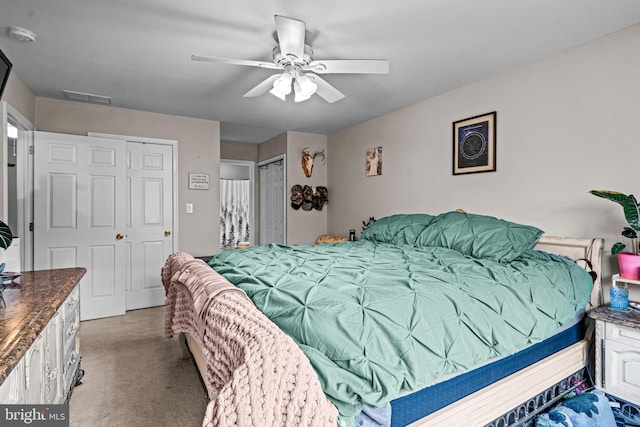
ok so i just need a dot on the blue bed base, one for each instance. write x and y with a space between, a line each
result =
412 407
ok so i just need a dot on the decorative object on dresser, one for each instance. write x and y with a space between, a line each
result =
5 235
39 340
628 261
5 241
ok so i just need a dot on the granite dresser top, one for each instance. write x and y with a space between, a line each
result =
30 305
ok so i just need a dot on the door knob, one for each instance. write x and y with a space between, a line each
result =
167 233
119 236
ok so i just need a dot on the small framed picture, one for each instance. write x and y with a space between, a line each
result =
373 163
474 144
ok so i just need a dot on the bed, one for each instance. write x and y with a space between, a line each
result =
451 319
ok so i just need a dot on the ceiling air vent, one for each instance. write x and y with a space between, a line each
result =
86 97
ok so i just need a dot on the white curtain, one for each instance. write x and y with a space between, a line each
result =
234 212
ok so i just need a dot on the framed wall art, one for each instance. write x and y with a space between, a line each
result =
474 144
373 162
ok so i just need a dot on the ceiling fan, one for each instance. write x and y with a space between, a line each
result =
300 70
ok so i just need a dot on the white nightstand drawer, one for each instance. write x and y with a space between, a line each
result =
622 372
622 334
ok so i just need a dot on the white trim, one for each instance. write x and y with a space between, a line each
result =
174 149
273 159
24 183
252 195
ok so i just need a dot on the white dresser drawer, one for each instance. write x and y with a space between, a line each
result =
69 338
622 334
70 307
71 367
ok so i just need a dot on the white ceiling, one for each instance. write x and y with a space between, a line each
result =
138 51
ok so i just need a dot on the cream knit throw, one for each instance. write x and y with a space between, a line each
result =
261 376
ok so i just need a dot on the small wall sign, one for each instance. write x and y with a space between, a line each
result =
198 181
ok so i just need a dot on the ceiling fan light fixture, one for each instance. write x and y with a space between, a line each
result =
282 84
274 92
299 97
304 87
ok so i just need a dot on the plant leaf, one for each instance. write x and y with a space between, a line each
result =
5 235
632 212
614 196
629 233
617 248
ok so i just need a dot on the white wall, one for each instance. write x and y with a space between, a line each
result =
565 124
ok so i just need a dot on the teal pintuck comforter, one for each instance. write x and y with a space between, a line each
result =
416 298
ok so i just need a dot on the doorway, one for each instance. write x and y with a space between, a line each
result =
18 185
237 207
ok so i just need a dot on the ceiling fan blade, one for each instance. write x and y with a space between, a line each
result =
349 66
262 87
325 90
248 62
290 36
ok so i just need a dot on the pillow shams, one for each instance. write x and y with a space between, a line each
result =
480 236
398 229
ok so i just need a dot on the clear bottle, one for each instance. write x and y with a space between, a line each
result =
352 235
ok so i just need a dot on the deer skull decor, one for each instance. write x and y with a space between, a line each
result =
307 160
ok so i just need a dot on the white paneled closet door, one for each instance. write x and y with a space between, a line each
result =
80 213
106 204
272 202
149 221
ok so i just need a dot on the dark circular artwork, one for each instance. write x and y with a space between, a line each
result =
472 146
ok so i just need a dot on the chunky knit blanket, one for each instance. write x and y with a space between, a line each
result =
260 375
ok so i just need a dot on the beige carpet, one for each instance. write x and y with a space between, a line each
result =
134 376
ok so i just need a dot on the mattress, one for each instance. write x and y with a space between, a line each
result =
411 407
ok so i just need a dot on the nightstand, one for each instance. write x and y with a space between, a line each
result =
617 357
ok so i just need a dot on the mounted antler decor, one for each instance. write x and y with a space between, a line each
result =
307 160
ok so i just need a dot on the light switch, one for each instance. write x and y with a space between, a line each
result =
189 208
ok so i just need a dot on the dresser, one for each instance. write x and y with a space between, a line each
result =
39 341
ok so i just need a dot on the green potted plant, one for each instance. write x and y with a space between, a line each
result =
628 257
5 239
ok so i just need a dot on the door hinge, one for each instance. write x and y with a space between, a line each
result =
30 226
31 149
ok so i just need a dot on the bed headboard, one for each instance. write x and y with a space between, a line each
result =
579 249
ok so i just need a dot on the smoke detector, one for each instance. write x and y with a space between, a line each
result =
21 34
